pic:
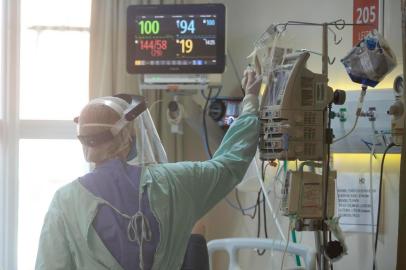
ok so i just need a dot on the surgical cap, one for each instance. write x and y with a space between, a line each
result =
99 116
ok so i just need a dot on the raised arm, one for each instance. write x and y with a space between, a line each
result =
201 185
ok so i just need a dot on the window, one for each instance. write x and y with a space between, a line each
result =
46 86
2 150
44 166
54 58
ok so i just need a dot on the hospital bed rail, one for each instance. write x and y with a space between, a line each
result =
232 245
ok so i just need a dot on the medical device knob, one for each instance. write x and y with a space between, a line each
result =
339 97
334 250
396 109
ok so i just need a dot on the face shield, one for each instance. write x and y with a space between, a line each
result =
148 144
111 126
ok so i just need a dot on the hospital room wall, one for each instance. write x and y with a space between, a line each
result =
246 20
224 222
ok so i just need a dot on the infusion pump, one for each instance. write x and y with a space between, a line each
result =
293 111
302 195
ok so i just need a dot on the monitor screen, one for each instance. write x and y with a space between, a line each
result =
176 38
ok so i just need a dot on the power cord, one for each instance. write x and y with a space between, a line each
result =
209 153
259 252
257 206
379 201
237 197
215 96
263 170
206 137
287 244
371 191
326 236
357 114
330 239
239 205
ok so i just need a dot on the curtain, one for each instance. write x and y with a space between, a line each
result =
108 72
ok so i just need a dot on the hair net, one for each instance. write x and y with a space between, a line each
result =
106 119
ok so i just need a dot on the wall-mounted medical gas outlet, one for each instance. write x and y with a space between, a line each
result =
303 195
174 115
373 116
397 111
341 114
224 110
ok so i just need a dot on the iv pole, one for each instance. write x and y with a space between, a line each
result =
321 235
326 162
401 263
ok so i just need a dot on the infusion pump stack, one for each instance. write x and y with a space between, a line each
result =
292 114
294 121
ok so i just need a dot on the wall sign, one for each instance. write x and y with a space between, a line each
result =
365 12
353 201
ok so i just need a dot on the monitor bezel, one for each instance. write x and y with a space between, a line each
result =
218 9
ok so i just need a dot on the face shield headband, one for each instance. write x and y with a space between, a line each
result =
137 105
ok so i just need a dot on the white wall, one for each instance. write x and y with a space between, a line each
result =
225 222
246 21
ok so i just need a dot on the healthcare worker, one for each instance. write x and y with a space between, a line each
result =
122 216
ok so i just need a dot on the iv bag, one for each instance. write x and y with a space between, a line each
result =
370 60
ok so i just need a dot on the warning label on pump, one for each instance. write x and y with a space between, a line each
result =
353 202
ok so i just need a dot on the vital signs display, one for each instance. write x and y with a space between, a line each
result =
176 38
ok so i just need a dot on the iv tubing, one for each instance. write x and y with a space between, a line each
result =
278 225
357 113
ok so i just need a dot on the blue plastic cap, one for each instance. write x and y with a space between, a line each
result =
371 43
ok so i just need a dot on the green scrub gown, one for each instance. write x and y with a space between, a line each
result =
179 194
